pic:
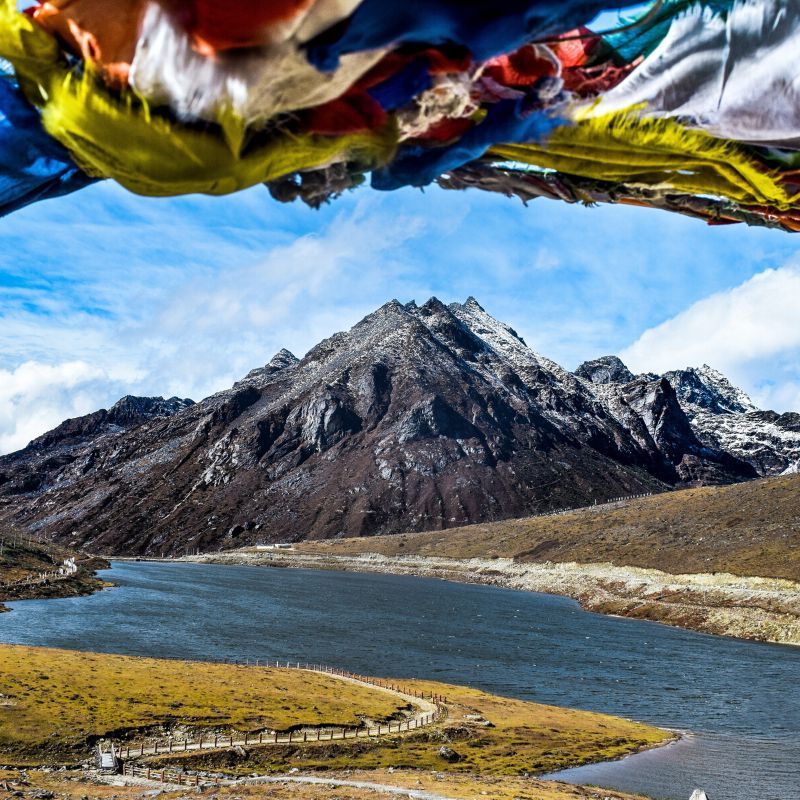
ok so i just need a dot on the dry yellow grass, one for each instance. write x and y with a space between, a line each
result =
54 702
472 787
458 787
524 738
746 529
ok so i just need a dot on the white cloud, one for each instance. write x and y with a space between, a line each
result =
184 296
750 333
35 397
189 336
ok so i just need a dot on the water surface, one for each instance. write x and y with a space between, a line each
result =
739 698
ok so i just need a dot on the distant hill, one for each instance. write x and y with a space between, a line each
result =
418 418
746 529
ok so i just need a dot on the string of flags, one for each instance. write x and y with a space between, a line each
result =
691 106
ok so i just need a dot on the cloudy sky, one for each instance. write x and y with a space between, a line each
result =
104 293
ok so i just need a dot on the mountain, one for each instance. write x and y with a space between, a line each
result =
722 416
418 418
604 370
70 447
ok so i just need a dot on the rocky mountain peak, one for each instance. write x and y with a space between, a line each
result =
433 305
282 359
606 369
417 418
131 410
705 389
128 412
472 304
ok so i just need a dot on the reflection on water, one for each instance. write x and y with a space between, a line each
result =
739 698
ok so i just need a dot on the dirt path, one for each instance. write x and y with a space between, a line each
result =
427 711
333 783
399 791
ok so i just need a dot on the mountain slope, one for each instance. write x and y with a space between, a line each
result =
70 447
745 529
721 416
418 418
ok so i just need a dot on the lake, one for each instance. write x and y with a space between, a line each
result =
739 699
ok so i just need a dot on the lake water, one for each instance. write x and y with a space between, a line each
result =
740 699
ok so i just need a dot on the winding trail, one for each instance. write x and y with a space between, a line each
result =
427 711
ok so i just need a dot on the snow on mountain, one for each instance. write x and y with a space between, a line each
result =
721 415
417 418
701 389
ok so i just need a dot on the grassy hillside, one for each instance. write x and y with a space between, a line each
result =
747 529
54 702
520 738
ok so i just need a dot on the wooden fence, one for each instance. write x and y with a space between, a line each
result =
171 776
310 734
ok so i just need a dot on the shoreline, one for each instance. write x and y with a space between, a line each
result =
84 583
750 608
541 735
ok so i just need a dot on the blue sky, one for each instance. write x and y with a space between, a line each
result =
104 293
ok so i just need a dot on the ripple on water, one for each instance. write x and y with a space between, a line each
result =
739 697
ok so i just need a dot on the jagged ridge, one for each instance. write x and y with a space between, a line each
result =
419 417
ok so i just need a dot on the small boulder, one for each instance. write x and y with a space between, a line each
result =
448 754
